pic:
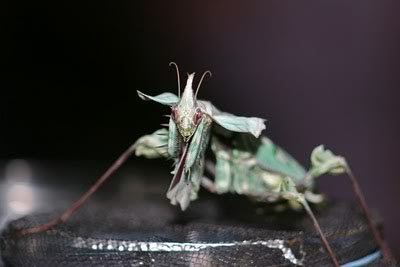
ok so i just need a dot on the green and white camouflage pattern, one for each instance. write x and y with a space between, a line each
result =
245 162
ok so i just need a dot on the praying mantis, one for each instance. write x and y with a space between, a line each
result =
245 162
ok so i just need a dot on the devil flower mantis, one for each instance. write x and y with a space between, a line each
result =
246 162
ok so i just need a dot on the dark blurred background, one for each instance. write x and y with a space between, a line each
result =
319 71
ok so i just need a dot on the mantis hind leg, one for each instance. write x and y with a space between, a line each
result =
77 204
150 146
290 192
361 199
325 162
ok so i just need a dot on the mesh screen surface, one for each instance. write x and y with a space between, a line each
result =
215 231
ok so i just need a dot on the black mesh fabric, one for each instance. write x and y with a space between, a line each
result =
233 231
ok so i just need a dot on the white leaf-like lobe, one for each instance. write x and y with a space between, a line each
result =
168 99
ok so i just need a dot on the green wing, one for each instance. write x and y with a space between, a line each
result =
273 158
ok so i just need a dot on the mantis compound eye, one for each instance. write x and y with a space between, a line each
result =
174 113
197 116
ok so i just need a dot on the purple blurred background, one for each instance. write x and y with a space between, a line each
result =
319 71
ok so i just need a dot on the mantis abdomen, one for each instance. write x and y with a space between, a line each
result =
256 167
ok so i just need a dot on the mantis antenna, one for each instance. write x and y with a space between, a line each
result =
177 74
201 80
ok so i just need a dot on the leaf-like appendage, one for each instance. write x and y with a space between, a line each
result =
324 161
168 99
153 145
252 125
240 124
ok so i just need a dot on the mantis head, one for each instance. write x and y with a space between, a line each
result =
186 113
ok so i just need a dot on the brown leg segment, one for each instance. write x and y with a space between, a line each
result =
75 206
321 234
361 199
208 184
